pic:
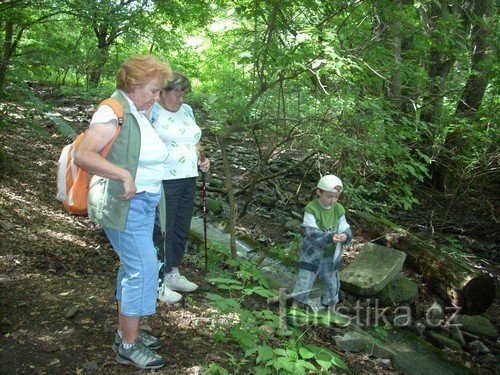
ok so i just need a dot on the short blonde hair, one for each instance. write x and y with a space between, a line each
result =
140 70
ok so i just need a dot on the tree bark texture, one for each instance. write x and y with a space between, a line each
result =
233 208
7 52
475 87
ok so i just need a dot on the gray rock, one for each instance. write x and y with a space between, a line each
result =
385 363
371 271
71 312
90 366
441 341
477 325
477 347
400 290
457 335
6 225
353 342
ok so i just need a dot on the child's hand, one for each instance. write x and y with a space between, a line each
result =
339 238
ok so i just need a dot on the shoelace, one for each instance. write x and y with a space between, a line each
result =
143 352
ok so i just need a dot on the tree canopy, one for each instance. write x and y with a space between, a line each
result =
384 93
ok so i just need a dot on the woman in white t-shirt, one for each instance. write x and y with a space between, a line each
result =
175 124
130 177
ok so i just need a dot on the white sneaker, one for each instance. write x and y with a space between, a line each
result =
168 295
179 283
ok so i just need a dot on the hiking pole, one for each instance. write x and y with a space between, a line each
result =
204 205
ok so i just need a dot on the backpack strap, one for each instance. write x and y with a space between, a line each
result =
118 109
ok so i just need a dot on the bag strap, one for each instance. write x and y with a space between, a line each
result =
118 109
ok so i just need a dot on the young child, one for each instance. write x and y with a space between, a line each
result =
325 231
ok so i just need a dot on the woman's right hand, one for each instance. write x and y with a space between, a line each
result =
129 188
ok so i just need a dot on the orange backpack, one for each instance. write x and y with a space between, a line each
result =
73 181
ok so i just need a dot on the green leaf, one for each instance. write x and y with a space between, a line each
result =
298 369
284 363
245 339
291 353
250 352
214 297
263 292
306 364
223 280
230 287
265 354
338 362
324 364
305 353
280 352
262 370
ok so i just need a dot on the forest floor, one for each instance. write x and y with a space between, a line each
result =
57 275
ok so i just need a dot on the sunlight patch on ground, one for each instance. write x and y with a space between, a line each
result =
7 109
188 319
11 195
210 318
65 236
219 318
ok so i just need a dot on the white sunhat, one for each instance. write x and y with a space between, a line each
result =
330 183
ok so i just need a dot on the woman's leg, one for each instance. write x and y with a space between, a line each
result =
137 283
182 223
179 198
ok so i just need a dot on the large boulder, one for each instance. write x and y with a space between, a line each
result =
400 290
371 271
477 325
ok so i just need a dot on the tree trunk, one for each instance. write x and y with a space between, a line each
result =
455 281
103 43
441 61
7 52
476 84
98 66
233 208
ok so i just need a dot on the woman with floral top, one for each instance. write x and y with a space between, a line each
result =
175 124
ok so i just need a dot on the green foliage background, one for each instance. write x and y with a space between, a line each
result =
353 82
